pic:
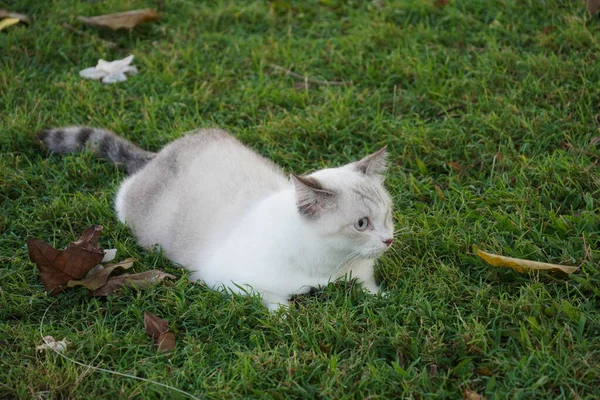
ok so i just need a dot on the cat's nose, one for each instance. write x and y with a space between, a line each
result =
388 242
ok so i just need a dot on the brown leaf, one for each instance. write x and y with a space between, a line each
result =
57 267
455 166
484 371
123 20
472 395
138 281
97 277
21 17
166 342
89 239
592 5
158 329
441 3
547 29
595 141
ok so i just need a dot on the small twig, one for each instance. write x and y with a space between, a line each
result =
307 79
107 43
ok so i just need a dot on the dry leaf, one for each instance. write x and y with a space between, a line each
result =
158 329
138 281
97 277
455 166
21 17
592 5
57 267
5 23
109 255
521 265
595 140
471 395
110 71
123 20
51 343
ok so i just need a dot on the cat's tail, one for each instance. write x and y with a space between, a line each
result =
103 143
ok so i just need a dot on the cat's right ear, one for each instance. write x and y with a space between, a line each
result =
311 198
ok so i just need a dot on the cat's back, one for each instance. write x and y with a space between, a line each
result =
190 195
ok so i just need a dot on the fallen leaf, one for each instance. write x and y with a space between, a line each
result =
123 20
595 141
158 329
57 267
97 277
484 371
471 395
5 23
521 265
51 343
592 5
455 166
109 255
548 29
441 3
110 71
138 281
440 193
21 17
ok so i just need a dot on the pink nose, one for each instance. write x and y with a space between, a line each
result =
388 241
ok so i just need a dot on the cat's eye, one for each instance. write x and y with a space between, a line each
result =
362 223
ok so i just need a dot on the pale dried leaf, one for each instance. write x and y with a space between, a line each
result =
110 71
97 277
51 343
521 265
123 20
109 255
138 281
21 17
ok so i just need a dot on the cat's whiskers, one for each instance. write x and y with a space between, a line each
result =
349 259
402 231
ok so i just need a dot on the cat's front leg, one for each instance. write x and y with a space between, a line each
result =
274 301
364 271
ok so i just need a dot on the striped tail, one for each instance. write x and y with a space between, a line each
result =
104 144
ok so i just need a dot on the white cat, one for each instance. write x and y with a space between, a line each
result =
236 221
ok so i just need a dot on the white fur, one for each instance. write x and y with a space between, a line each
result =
232 218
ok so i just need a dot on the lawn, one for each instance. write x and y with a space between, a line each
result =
489 110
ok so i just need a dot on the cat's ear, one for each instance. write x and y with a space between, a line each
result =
311 198
374 165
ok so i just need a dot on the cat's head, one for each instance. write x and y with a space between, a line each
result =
348 207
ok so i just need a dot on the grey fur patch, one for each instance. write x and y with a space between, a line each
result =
311 198
374 165
83 136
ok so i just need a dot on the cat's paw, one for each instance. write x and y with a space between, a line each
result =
275 303
371 287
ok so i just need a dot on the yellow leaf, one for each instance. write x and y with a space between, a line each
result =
521 265
6 22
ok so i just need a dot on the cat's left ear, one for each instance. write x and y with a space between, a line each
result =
374 165
311 198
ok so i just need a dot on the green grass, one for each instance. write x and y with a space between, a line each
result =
488 108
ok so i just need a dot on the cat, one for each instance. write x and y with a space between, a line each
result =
236 221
